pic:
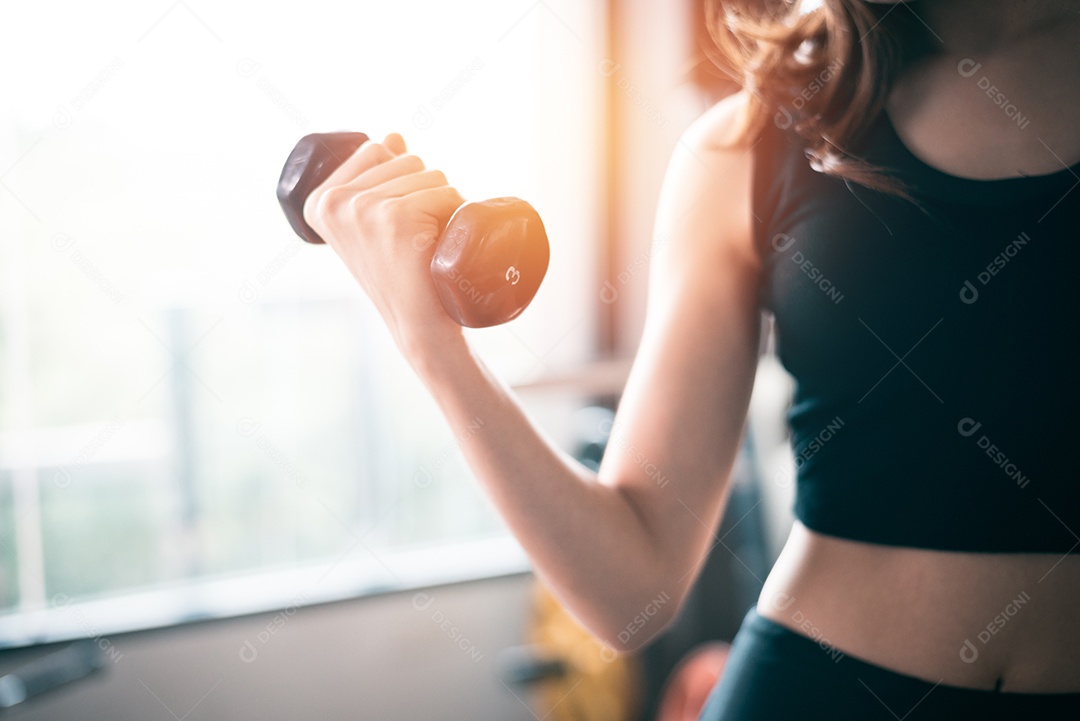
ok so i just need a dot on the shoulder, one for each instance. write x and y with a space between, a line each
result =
721 127
705 201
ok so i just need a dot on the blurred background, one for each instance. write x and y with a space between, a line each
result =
215 469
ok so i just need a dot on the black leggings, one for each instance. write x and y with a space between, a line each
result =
775 674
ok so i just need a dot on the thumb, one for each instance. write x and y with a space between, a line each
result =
394 143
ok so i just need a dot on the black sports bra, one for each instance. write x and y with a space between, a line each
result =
934 353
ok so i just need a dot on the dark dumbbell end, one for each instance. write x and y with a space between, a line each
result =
311 162
490 261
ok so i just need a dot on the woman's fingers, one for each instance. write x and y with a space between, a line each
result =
409 183
439 202
394 143
378 165
367 156
384 172
380 183
385 168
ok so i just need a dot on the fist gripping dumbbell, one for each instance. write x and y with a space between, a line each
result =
489 261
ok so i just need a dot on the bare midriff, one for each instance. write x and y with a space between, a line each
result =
1005 621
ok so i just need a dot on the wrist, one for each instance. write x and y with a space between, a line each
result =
428 349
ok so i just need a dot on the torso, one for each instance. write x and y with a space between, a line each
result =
916 611
977 620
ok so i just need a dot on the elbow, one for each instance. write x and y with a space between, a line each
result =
648 601
640 621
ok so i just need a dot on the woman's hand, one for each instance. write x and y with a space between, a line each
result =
382 212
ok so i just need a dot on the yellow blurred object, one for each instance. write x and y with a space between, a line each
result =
598 684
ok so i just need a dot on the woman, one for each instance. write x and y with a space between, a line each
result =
872 187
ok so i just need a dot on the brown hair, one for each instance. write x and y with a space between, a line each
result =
824 72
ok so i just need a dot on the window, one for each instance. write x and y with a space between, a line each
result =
200 414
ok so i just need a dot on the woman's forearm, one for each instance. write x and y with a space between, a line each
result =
607 543
584 538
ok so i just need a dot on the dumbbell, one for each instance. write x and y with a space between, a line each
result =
489 260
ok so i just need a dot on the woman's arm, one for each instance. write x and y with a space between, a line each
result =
611 542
